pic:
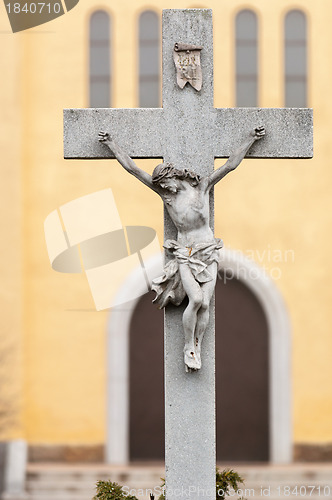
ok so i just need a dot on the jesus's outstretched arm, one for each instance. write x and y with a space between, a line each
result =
235 159
126 161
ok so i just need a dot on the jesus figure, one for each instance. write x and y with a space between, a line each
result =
192 269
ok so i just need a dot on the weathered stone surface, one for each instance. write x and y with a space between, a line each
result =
145 133
190 455
289 132
137 130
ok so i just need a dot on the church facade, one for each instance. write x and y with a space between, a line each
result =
81 381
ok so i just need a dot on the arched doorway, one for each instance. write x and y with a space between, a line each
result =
241 377
253 278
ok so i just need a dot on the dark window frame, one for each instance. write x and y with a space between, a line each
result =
100 78
300 43
242 41
146 40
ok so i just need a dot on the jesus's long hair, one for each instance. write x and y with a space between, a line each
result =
167 170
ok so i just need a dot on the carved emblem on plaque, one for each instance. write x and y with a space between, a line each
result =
187 59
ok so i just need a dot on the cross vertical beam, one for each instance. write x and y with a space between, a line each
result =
190 455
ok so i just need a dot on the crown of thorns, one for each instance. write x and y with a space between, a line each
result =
167 170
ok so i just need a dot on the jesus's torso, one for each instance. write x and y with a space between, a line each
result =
190 212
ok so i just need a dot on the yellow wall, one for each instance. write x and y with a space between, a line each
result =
265 205
11 227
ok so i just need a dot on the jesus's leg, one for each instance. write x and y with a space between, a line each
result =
204 312
189 319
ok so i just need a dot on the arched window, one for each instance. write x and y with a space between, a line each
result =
296 59
99 60
246 59
149 60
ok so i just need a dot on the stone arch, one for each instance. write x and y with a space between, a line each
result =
235 264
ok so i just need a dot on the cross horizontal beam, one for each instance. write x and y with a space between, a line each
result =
144 133
137 130
289 132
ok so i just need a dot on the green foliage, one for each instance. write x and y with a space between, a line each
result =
162 497
107 490
226 481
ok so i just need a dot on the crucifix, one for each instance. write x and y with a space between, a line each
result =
188 133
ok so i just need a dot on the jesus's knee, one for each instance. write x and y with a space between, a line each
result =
205 304
195 300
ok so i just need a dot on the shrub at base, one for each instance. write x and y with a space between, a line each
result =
226 481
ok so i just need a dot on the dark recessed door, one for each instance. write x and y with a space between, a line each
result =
146 368
242 381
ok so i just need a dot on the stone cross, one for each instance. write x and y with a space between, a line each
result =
190 133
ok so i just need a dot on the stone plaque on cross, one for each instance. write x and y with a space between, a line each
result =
188 133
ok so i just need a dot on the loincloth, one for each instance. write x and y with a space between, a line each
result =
169 286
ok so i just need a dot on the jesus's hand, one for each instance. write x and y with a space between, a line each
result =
258 133
104 137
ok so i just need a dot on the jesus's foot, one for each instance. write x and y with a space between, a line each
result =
198 351
190 359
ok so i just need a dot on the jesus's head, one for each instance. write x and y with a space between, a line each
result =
167 177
